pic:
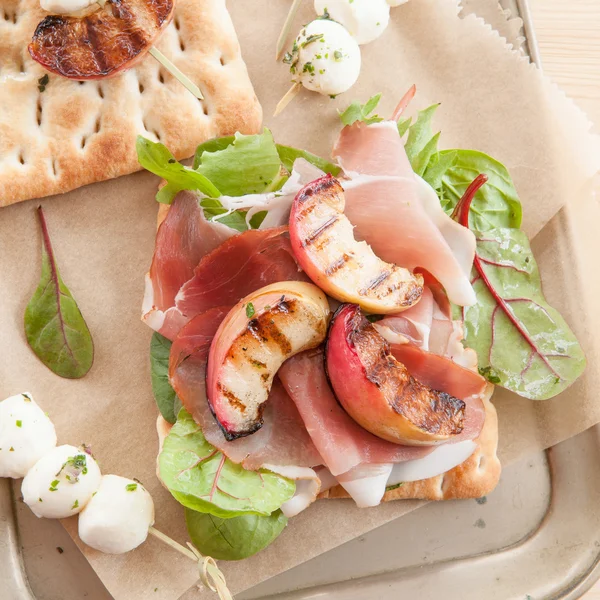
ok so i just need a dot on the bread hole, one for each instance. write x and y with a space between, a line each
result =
222 61
21 158
81 82
161 77
181 44
39 111
204 108
21 65
54 167
97 125
83 141
177 24
100 92
482 462
141 87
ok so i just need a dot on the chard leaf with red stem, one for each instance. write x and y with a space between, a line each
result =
522 343
54 326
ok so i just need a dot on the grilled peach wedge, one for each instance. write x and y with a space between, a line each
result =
378 392
262 331
323 242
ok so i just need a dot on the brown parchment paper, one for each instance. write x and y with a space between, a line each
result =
103 234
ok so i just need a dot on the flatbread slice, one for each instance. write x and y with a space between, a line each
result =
74 133
474 478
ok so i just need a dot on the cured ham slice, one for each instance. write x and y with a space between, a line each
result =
394 213
282 441
341 442
183 238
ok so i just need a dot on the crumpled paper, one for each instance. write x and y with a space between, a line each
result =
492 100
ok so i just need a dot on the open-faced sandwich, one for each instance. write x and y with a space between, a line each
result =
336 329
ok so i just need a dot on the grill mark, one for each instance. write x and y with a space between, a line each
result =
337 265
265 329
232 398
91 39
375 283
320 230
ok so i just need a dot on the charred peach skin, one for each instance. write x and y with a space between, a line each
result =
262 331
323 242
378 392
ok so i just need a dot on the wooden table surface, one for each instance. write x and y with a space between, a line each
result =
568 33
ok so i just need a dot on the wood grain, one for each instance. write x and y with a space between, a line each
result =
568 33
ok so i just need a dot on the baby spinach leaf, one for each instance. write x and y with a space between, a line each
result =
235 538
450 172
201 478
522 343
166 399
362 112
288 155
54 326
157 159
249 165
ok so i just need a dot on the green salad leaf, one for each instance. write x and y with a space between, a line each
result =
157 159
288 155
203 479
213 145
166 399
362 112
54 326
522 343
496 204
235 538
249 165
421 144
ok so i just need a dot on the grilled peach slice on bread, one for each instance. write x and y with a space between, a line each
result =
378 392
323 242
262 331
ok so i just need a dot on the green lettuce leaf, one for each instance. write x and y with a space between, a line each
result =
421 144
166 399
288 155
249 165
496 204
213 145
535 354
203 479
157 159
235 538
362 112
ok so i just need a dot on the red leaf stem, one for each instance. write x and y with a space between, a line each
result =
404 102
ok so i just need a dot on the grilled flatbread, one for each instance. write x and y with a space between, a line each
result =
66 134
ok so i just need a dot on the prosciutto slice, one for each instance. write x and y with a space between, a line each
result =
396 215
282 440
341 442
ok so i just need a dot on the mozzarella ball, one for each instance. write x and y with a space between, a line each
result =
61 483
325 58
26 434
117 518
365 20
393 3
66 7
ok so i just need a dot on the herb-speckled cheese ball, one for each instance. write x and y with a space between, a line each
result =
61 483
117 518
26 434
365 20
325 58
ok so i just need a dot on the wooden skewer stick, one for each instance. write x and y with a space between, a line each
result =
285 32
287 98
181 77
210 574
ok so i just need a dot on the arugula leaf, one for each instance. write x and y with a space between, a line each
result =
235 538
157 159
421 144
360 112
166 399
288 155
203 479
496 204
249 165
54 326
522 343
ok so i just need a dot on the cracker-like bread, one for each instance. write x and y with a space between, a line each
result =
474 478
73 133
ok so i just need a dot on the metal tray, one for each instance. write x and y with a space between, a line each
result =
537 536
